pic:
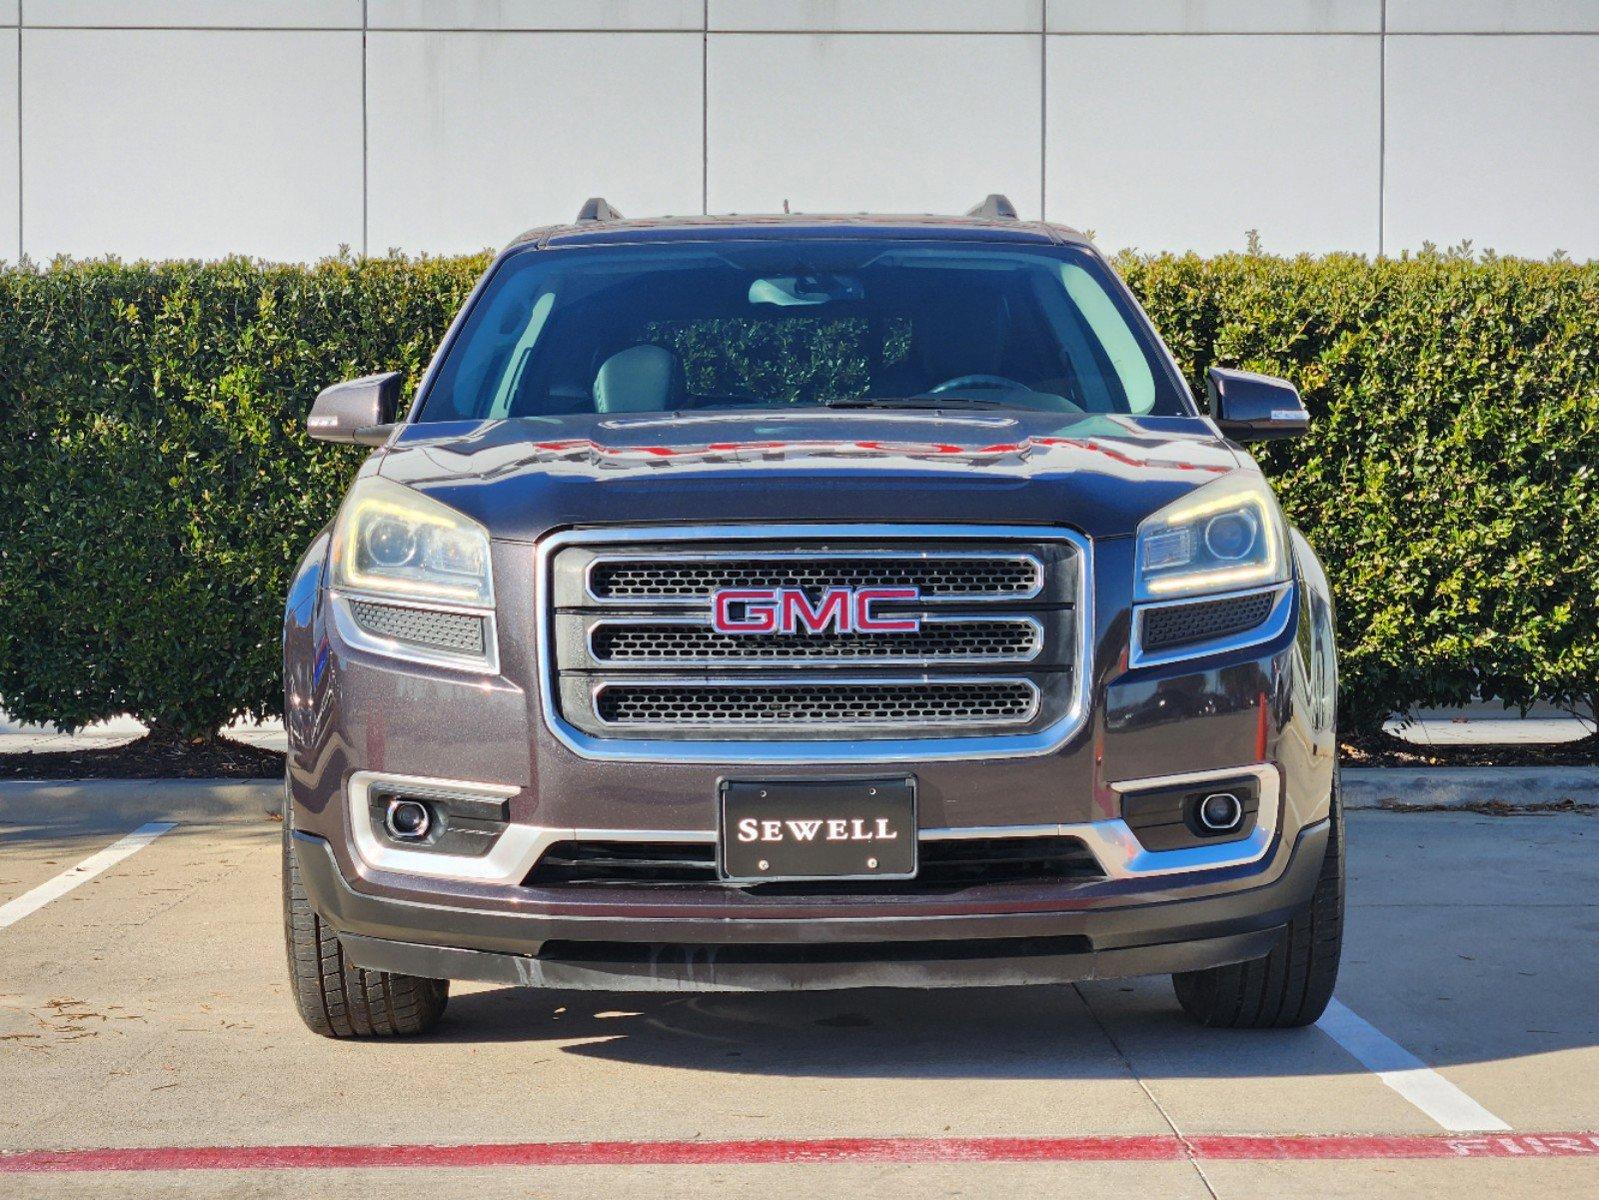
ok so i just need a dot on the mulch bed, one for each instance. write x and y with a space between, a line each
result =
148 759
1381 750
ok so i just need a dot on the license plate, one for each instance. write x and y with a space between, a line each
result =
811 829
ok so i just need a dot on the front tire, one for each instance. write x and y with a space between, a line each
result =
1292 985
336 998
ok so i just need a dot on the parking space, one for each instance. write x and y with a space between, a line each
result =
146 1009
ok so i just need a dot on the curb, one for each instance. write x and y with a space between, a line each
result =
1529 788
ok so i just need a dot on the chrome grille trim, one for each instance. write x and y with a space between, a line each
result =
1034 632
1065 721
737 560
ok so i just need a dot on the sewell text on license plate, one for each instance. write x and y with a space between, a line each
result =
818 829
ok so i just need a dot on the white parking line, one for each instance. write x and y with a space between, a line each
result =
13 911
1406 1074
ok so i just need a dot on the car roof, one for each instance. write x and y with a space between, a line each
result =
919 227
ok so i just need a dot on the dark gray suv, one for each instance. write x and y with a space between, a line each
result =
808 602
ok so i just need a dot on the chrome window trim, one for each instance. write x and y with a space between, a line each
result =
766 752
353 634
1276 621
779 531
825 660
1112 842
885 682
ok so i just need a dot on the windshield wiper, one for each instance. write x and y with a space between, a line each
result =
913 402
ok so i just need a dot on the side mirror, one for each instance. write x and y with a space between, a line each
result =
357 410
1254 408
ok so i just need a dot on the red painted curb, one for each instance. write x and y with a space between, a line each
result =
812 1150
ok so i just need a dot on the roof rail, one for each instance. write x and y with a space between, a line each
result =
996 207
596 209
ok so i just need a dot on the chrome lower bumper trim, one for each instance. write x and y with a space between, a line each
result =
1112 842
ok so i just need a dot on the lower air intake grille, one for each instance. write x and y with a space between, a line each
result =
945 865
1203 620
782 705
457 633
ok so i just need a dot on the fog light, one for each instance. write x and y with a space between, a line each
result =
407 820
1221 812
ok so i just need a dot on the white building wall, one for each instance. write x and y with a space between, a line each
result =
289 128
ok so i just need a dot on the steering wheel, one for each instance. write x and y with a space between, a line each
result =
977 383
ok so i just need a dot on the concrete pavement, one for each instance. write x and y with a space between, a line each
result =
147 1007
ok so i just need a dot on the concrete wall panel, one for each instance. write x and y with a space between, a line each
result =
185 14
183 143
903 123
536 14
910 16
474 137
1493 16
1186 142
1495 139
1215 16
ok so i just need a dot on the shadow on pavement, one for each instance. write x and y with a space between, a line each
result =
988 1033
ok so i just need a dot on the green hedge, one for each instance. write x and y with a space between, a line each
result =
158 487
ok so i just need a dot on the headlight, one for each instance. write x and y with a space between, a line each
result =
1218 538
390 540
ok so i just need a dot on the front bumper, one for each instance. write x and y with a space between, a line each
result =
355 718
639 952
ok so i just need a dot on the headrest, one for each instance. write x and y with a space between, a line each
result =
638 379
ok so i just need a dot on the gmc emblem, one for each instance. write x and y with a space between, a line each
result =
789 610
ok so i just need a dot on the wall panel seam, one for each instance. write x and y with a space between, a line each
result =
1382 130
21 252
1043 111
366 158
705 107
193 28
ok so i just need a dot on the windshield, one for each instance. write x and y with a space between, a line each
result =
787 324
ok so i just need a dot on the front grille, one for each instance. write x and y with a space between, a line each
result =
945 865
1013 639
635 655
1203 620
713 705
989 576
458 633
624 863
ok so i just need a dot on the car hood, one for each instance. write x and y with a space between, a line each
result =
1097 473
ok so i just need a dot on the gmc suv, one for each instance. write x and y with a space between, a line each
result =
808 602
